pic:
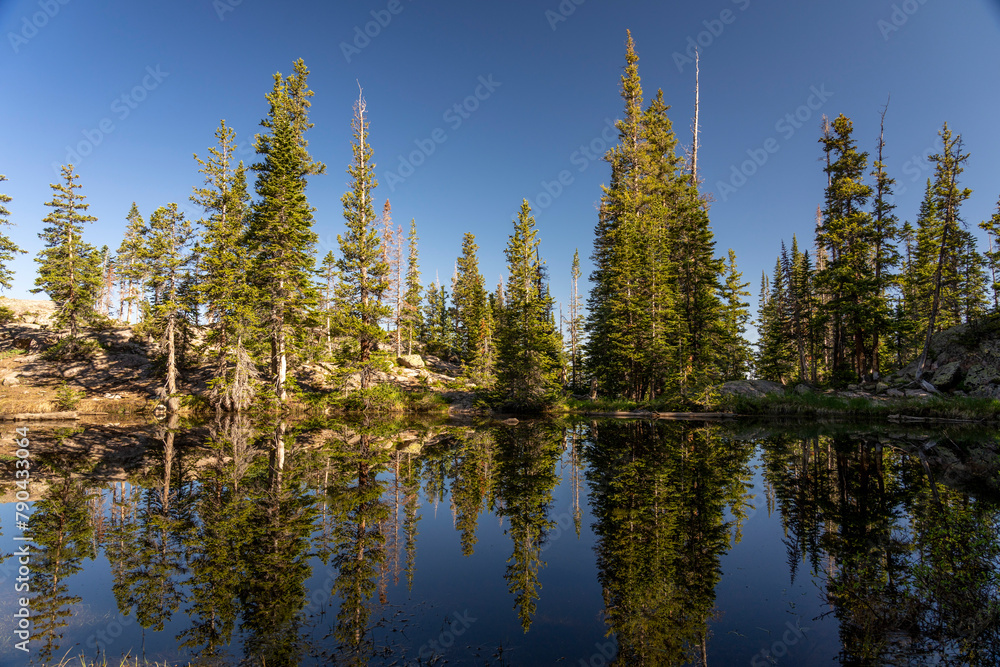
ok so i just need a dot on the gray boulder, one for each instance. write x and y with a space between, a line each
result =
751 388
412 361
947 376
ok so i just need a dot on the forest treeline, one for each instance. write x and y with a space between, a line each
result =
244 289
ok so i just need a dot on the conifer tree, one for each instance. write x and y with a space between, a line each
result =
130 265
281 237
735 350
225 282
8 249
411 316
947 199
468 293
848 235
575 323
330 278
69 269
885 256
654 324
616 360
363 270
992 256
170 238
527 342
776 355
392 255
106 290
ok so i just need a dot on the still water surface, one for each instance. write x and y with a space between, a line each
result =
541 543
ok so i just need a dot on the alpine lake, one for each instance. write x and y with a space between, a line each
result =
532 542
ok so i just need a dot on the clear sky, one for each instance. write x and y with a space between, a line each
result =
130 90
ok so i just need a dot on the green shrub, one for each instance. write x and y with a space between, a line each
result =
100 322
67 398
68 349
7 315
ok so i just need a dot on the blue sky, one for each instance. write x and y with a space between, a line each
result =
132 90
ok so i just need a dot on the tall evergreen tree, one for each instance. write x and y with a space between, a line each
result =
992 256
363 270
468 293
411 316
280 235
170 238
848 235
776 354
69 269
575 324
225 285
130 264
655 317
947 199
8 249
392 255
735 349
885 256
614 357
527 342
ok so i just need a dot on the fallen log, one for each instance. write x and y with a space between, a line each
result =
39 416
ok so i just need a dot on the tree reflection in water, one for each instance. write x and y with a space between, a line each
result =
277 543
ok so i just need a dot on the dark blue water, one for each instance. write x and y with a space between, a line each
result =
544 543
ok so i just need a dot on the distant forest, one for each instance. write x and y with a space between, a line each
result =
666 317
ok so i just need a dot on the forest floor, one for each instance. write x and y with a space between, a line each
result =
121 374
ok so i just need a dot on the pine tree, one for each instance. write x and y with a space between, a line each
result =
69 269
527 342
438 321
735 350
170 238
130 265
992 256
776 355
615 359
575 323
330 278
224 284
848 235
8 249
281 237
468 293
411 315
654 324
885 256
363 271
392 255
102 306
947 199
